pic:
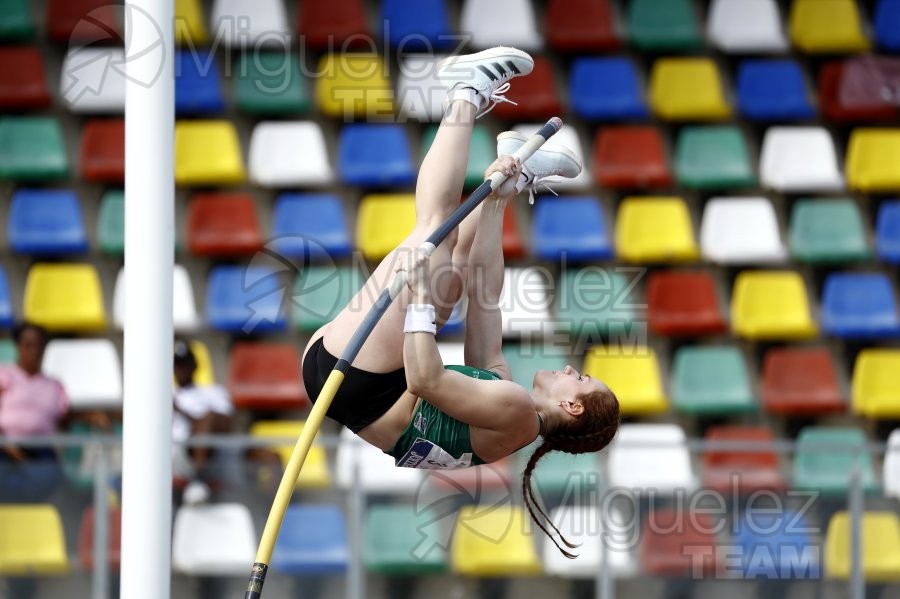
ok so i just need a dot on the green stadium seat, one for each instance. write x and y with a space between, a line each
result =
396 541
8 352
711 380
111 223
31 148
320 292
527 358
16 23
562 476
662 25
827 230
828 469
270 83
482 152
713 158
594 303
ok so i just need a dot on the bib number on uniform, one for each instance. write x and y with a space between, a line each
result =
426 455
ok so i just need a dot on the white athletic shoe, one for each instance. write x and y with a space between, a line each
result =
551 160
487 73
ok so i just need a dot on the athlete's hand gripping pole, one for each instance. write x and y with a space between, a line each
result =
317 415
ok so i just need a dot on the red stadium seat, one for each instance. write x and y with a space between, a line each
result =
830 80
683 303
535 95
580 26
744 471
266 376
113 538
22 80
511 240
103 151
631 157
83 21
223 224
678 543
329 25
800 381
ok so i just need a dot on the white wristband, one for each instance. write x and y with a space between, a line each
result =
420 319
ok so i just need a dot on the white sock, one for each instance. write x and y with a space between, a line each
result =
466 94
522 182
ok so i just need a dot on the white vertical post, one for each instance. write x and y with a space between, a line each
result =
149 258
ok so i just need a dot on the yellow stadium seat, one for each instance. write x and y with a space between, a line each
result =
826 26
492 542
655 230
876 387
873 160
190 28
64 297
383 222
687 89
204 374
633 375
31 541
771 305
207 153
354 85
314 474
880 547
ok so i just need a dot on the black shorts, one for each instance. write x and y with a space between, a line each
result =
362 398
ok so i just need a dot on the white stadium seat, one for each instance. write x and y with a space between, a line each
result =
797 159
650 457
746 26
93 80
239 23
213 540
525 302
289 154
420 95
376 469
741 231
500 23
184 308
89 369
586 525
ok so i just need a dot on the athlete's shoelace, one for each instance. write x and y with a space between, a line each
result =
497 96
533 183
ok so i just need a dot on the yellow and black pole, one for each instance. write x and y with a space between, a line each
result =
317 415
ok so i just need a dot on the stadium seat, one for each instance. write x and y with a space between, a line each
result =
537 95
594 303
876 392
240 24
570 228
824 461
416 25
800 381
375 469
606 89
491 542
89 369
6 313
190 26
833 107
213 540
826 27
245 299
420 95
654 229
887 25
375 155
859 305
207 153
713 157
771 305
33 541
891 470
320 292
872 158
634 376
863 82
679 543
184 309
289 154
559 475
799 159
744 470
711 380
92 80
880 540
309 226
270 83
511 240
82 21
113 538
590 528
524 302
569 138
583 26
741 231
8 352
111 223
631 157
525 359
46 222
500 23
103 151
23 85
198 84
687 89
482 152
683 303
16 24
333 25
827 231
64 297
738 26
32 149
777 546
315 474
651 456
223 224
266 376
662 25
382 222
772 90
395 541
887 232
357 86
205 374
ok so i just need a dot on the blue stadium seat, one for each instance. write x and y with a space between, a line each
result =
310 226
887 25
246 299
859 305
887 232
573 227
6 314
198 86
772 90
46 222
607 89
374 155
313 540
776 547
416 25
